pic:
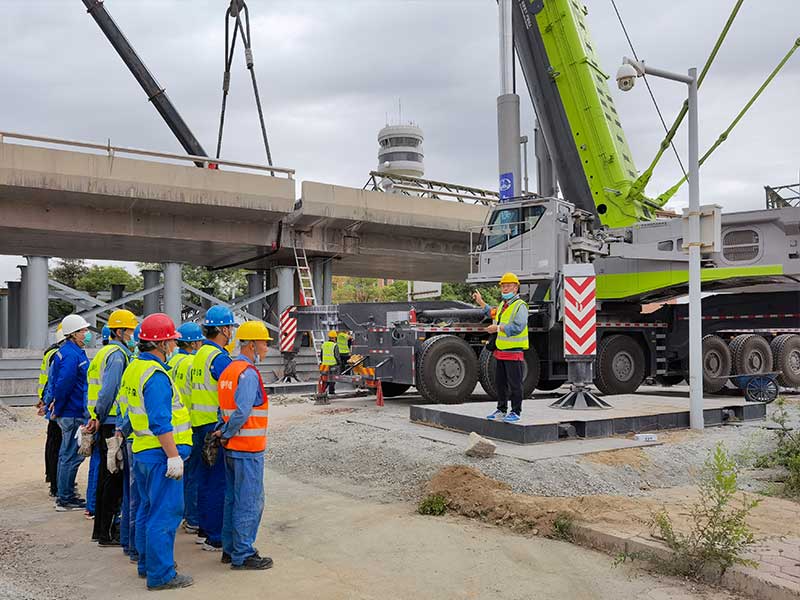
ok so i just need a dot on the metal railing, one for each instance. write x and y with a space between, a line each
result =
427 188
782 196
206 162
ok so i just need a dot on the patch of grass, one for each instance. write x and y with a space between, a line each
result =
720 533
787 451
435 504
562 527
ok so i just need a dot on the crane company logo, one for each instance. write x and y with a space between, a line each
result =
506 186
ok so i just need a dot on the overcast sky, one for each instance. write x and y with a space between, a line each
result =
331 72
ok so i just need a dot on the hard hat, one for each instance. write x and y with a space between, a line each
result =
219 316
59 334
332 335
72 323
136 331
105 333
158 327
190 332
122 319
252 330
509 278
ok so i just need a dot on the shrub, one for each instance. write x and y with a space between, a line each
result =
435 504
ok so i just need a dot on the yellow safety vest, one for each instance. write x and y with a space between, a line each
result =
205 398
44 371
94 376
133 381
341 342
504 317
179 371
329 353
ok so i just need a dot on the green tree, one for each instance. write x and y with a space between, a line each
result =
68 271
463 292
225 284
100 279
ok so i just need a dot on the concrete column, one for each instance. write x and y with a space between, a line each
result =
285 281
327 283
24 305
38 300
117 291
255 285
3 318
317 276
14 300
150 278
172 291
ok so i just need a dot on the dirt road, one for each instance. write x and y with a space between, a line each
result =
325 543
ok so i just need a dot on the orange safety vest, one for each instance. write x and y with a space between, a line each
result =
252 437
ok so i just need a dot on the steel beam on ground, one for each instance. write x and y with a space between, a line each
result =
172 291
72 295
38 296
90 315
234 307
151 278
14 299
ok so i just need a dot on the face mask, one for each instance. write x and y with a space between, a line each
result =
87 339
507 296
130 344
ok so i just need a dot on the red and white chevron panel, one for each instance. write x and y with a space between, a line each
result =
580 324
288 327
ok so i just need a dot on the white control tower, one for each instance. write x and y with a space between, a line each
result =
400 150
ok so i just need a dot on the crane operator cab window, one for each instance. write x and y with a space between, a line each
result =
508 223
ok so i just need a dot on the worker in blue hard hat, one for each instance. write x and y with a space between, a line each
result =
105 335
190 340
210 361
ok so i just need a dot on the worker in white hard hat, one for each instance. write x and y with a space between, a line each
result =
53 442
69 406
510 324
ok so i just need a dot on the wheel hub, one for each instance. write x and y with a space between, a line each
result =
622 366
450 371
755 361
793 361
712 363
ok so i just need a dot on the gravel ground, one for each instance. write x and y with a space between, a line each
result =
391 465
19 554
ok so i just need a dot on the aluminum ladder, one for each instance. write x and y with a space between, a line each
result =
306 281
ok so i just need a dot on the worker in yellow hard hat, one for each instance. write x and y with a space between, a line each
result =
244 405
511 328
343 345
329 358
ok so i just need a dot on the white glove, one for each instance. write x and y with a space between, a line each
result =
111 456
175 467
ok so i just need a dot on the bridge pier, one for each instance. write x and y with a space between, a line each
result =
36 303
285 281
173 304
23 306
4 318
150 278
327 283
14 302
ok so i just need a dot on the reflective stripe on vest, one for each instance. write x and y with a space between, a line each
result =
133 381
329 353
44 371
341 342
504 317
179 371
252 436
205 399
94 377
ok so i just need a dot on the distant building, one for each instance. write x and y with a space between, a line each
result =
401 151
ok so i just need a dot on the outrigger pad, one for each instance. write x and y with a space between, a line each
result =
580 399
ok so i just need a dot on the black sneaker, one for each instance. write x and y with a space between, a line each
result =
113 543
69 505
254 563
226 558
179 581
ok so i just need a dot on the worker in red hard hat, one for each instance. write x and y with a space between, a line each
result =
162 441
511 327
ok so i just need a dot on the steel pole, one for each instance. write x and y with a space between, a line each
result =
38 297
172 291
327 283
3 318
150 278
695 297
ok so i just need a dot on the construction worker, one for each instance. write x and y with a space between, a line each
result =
190 340
244 408
162 441
105 335
210 361
343 345
329 360
69 406
104 378
511 327
53 442
130 493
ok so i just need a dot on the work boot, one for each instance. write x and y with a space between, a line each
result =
179 581
254 562
69 505
211 546
112 543
226 558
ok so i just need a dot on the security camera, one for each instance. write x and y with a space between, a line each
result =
626 77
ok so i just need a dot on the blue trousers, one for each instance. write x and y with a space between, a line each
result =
244 503
68 458
91 486
190 476
130 504
210 487
158 516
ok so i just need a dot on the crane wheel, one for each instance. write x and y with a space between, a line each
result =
751 354
716 363
487 364
786 359
620 365
447 370
548 385
391 389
